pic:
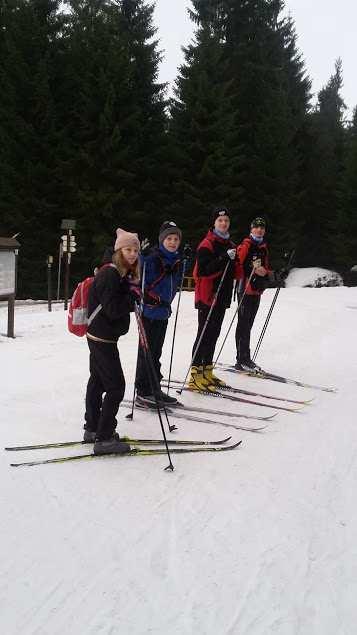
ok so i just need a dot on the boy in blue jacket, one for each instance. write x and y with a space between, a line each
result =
162 271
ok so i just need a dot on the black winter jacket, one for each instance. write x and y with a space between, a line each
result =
111 291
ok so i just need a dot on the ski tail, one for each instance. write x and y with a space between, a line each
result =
279 378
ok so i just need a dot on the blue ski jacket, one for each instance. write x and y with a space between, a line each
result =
163 271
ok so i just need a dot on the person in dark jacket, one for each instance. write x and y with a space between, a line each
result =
111 299
216 256
161 271
253 255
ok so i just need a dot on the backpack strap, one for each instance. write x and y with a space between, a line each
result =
162 275
94 314
99 307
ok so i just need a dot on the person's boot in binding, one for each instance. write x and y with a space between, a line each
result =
198 381
212 379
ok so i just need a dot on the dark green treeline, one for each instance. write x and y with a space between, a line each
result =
86 132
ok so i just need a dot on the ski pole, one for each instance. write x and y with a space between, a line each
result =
234 317
289 257
153 379
205 325
130 416
176 316
265 326
148 358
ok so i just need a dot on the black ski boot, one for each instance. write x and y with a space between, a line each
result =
166 399
89 436
250 366
111 446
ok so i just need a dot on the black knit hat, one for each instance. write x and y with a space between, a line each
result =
167 228
258 222
217 212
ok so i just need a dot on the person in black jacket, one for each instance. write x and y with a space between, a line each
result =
111 299
216 257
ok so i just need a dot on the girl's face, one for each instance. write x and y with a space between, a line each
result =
171 242
222 224
130 254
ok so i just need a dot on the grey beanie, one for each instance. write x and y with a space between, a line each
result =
167 228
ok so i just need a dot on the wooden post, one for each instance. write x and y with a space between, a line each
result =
11 316
49 282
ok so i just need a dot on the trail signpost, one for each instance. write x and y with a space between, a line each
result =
68 248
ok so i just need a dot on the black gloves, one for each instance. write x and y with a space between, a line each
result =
283 273
277 278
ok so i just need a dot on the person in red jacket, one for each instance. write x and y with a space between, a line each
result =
214 253
253 255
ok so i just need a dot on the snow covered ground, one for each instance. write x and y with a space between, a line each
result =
260 540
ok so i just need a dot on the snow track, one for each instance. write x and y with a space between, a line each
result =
252 542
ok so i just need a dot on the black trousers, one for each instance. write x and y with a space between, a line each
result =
246 317
205 352
106 376
155 332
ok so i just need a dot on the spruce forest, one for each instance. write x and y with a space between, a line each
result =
87 132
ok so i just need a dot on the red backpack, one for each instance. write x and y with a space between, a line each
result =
78 320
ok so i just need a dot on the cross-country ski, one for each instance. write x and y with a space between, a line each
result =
133 452
67 444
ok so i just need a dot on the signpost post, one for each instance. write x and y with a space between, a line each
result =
9 249
49 282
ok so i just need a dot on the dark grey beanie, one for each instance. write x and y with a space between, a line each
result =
167 228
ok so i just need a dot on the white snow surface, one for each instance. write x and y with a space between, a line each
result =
256 541
313 277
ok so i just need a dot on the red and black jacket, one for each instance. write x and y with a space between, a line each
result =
248 252
211 261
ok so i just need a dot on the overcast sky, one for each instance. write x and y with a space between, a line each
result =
326 30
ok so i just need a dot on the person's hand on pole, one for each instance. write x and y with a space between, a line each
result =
145 247
231 253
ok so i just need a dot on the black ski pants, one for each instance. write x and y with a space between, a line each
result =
205 352
246 317
155 333
106 376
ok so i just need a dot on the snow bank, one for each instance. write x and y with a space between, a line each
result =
313 277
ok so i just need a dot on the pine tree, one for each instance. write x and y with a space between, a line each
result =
116 120
82 126
324 174
28 157
345 245
269 98
205 152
